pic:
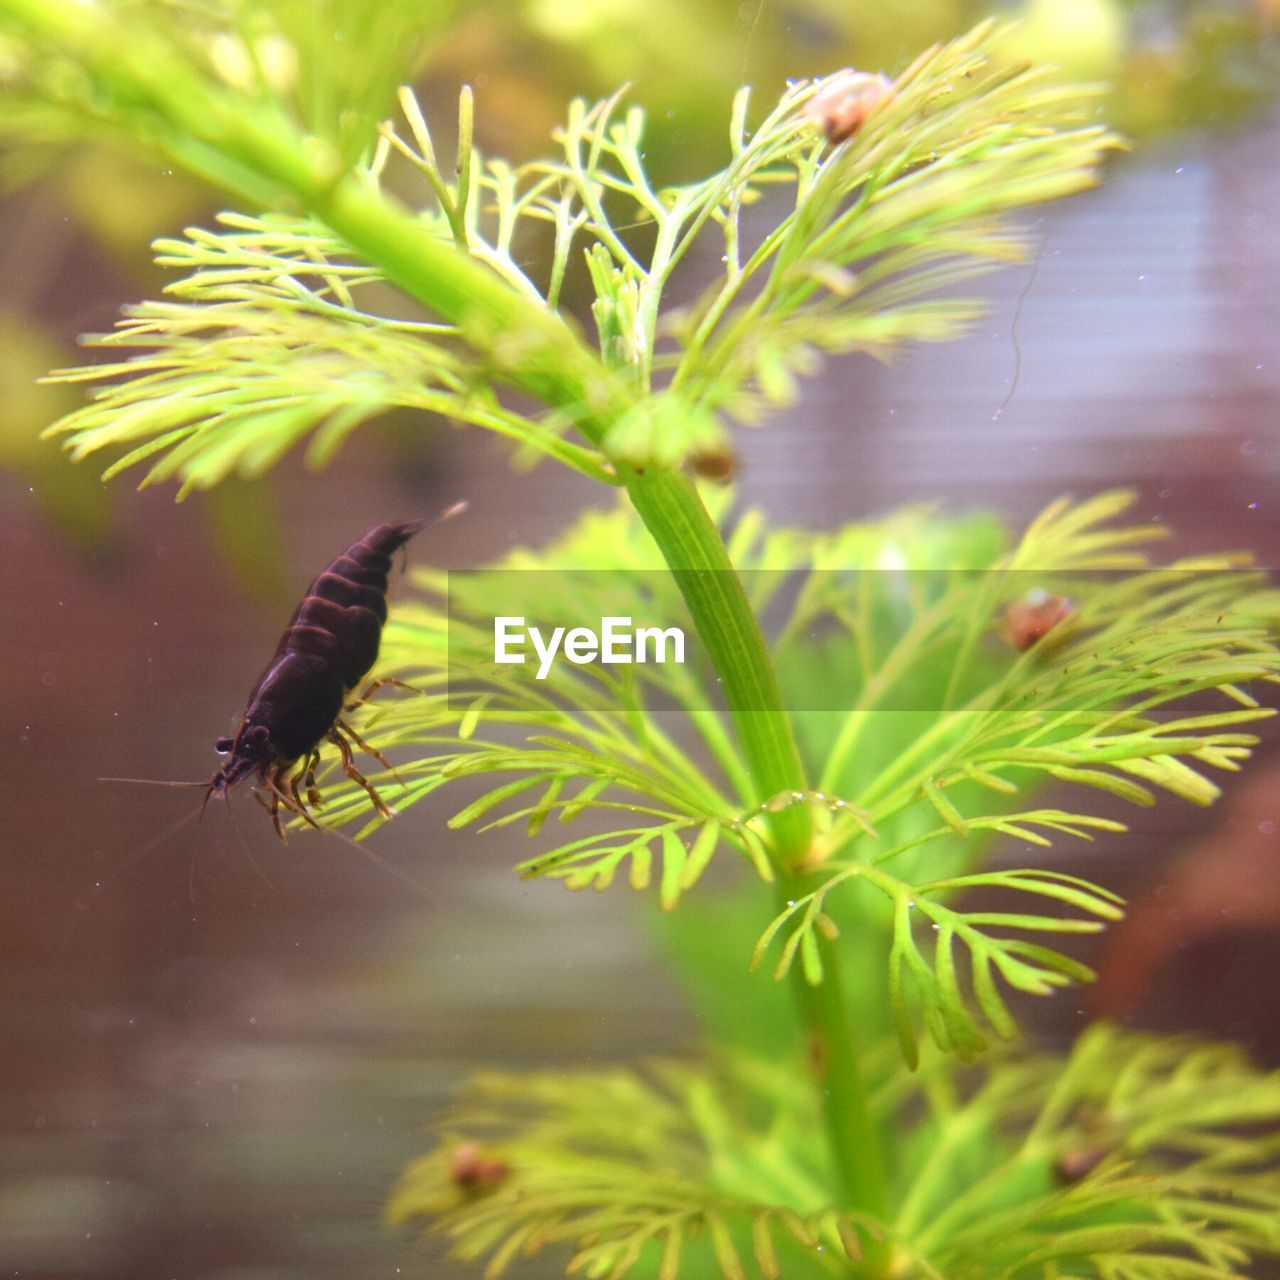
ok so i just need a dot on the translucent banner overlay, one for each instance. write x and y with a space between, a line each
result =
884 639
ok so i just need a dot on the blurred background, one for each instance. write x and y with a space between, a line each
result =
219 1051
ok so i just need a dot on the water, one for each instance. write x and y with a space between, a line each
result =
214 1070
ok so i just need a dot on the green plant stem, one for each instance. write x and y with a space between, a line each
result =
674 514
836 1065
255 151
261 155
529 344
557 368
551 363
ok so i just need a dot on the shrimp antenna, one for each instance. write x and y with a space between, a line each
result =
155 782
212 787
374 859
139 852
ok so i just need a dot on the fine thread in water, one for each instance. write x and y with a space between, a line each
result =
1013 334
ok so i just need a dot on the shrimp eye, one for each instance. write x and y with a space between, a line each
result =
222 746
258 735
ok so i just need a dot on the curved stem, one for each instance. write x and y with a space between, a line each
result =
672 511
668 503
835 1061
261 154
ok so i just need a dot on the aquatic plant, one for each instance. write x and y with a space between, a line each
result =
871 1124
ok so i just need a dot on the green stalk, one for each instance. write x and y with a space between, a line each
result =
836 1066
548 360
670 507
528 343
152 91
204 128
673 513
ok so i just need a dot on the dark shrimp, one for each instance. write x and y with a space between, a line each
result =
326 650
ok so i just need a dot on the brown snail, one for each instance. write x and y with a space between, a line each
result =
1032 616
845 99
